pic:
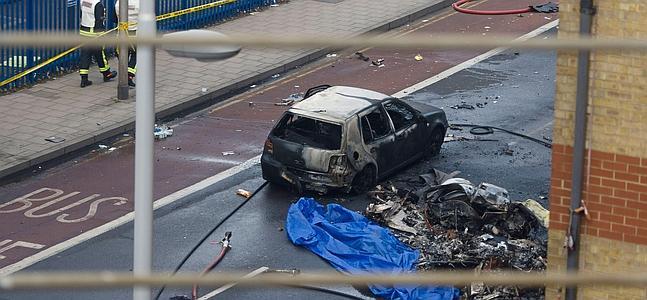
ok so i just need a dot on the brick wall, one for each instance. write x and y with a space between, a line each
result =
615 190
615 194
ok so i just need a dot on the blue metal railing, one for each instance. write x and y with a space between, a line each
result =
63 15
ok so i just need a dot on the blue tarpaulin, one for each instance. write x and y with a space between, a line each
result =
355 245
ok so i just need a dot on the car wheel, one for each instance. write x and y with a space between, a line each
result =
364 180
437 138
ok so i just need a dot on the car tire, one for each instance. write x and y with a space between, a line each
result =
364 180
436 138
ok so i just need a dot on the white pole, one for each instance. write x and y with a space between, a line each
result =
144 126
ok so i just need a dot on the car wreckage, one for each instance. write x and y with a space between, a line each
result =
348 138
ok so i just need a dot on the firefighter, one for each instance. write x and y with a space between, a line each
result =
133 14
93 15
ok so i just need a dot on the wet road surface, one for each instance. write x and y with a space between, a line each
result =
524 85
94 190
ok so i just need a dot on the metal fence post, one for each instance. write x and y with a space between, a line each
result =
27 61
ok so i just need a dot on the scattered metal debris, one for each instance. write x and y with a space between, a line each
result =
244 193
55 139
361 56
462 106
162 132
458 225
293 98
378 63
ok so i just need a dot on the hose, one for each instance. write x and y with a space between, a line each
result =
457 7
480 130
492 128
206 236
214 263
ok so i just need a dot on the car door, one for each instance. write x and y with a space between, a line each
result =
377 135
408 132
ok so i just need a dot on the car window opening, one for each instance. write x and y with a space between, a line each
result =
375 126
310 132
400 115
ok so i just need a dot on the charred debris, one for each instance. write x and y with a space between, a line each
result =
458 225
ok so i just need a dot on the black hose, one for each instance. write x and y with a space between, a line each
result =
543 143
481 130
206 236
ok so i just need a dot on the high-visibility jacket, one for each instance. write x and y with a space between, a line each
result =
133 13
92 17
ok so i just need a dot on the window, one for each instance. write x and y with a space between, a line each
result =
310 132
401 115
375 125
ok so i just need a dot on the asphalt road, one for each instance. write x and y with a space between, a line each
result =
93 194
518 89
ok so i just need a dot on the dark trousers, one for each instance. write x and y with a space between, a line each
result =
132 56
132 61
87 52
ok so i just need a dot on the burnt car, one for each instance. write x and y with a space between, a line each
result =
348 138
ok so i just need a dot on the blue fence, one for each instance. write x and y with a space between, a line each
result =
64 15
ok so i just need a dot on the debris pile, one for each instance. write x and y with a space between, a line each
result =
162 131
458 225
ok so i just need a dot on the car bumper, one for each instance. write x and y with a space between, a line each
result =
276 172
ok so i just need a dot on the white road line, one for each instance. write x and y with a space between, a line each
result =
51 251
223 288
471 62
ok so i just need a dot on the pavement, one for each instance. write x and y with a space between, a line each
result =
82 117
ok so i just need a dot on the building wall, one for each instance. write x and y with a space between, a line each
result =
615 190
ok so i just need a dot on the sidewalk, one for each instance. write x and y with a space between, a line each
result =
86 116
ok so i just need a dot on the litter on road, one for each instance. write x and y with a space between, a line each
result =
354 245
378 63
361 56
162 132
244 193
55 139
227 153
457 225
418 57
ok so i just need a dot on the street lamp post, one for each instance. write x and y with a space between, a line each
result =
122 82
144 126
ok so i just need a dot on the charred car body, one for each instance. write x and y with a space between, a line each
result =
348 138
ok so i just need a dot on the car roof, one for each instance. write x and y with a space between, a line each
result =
337 103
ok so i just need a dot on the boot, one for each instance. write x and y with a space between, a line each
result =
131 83
84 81
108 75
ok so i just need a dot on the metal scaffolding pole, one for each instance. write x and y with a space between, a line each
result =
144 126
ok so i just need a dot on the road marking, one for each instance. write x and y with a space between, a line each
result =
471 62
17 244
55 196
51 251
237 169
223 288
